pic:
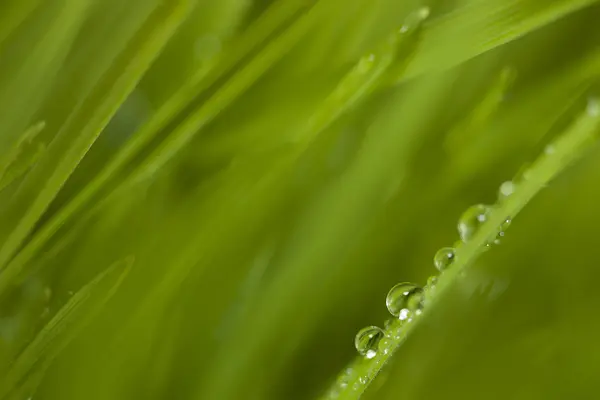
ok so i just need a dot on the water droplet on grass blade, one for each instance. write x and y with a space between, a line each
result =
506 190
444 258
501 231
367 341
432 282
403 298
415 19
366 64
471 220
385 345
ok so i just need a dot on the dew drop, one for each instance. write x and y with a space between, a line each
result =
367 341
385 345
432 282
366 64
404 296
415 19
388 324
444 258
502 229
506 190
471 220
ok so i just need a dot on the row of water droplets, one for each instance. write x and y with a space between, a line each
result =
370 338
406 301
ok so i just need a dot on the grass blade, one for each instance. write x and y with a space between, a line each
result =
482 26
567 148
65 325
13 166
84 126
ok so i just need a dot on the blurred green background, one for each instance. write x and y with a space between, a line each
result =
261 246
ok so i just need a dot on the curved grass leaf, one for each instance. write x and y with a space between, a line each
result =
65 325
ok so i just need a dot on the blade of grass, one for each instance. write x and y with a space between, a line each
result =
9 161
24 90
65 325
224 97
482 26
84 126
568 147
324 234
12 18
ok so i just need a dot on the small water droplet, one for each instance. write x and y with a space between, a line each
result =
366 64
471 220
593 107
444 258
432 282
385 345
415 19
502 229
506 190
403 296
388 324
367 341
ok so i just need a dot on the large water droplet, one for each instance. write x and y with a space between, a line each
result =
367 341
444 258
404 298
471 220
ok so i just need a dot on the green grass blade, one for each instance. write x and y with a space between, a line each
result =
12 18
482 26
14 164
84 126
25 86
65 325
240 83
352 383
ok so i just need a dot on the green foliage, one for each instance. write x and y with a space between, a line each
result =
274 167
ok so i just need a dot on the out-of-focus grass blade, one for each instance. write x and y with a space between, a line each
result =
182 135
15 163
537 106
13 15
326 231
24 89
84 126
65 325
482 26
465 130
